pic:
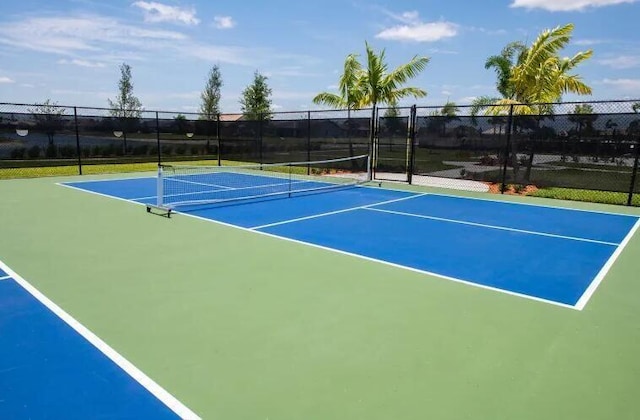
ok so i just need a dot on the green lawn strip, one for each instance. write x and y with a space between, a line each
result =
607 197
603 168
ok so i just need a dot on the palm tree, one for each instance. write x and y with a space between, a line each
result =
349 96
537 77
584 116
374 85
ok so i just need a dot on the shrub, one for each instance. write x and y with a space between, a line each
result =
67 151
51 151
487 160
18 153
34 152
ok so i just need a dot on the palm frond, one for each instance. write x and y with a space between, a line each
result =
330 99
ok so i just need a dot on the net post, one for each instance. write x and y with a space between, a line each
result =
159 187
158 139
634 174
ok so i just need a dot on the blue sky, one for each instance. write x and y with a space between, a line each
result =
70 51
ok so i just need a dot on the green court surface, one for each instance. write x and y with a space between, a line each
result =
239 325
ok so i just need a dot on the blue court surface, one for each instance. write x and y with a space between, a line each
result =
549 254
53 368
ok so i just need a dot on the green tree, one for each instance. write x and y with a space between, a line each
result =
377 85
181 123
126 106
531 78
210 106
255 101
348 86
583 116
636 107
49 118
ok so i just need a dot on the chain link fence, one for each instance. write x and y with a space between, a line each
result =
579 151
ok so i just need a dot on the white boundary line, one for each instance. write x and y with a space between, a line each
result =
173 179
549 206
517 203
462 222
363 257
315 216
165 397
582 302
622 244
5 278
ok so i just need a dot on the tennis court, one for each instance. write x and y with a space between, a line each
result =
312 299
568 252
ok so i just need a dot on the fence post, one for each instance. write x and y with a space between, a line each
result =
634 174
308 141
219 142
372 142
413 120
158 139
75 119
260 117
503 187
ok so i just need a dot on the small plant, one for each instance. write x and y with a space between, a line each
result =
575 159
51 151
463 173
34 152
18 153
67 151
523 160
519 188
487 160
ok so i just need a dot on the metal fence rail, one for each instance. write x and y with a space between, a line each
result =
582 151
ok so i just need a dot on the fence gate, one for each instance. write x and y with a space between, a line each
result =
393 144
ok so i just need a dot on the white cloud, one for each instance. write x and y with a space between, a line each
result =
224 22
69 35
157 12
5 79
621 62
97 37
412 28
566 5
627 86
82 63
588 42
420 32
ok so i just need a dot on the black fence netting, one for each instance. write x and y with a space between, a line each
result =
579 151
393 151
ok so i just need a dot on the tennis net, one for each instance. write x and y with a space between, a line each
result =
181 185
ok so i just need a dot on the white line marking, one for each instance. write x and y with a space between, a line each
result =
462 222
516 203
197 183
5 278
165 397
128 200
582 302
415 270
228 189
315 216
551 302
143 175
